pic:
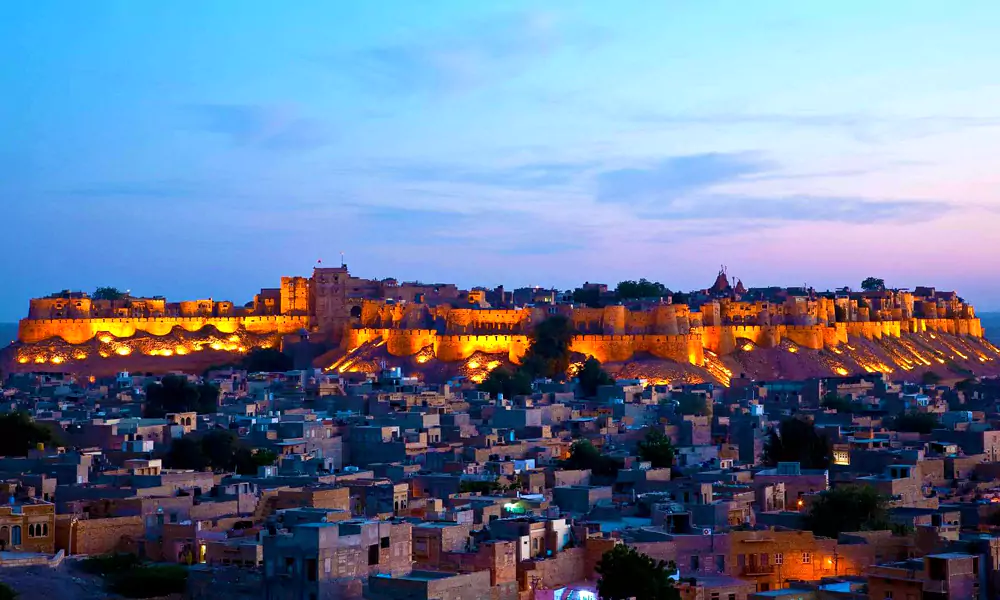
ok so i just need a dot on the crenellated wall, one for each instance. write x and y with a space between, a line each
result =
606 348
79 331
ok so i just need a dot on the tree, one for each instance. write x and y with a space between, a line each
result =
19 434
930 378
873 284
795 440
249 461
657 450
694 404
549 353
174 394
838 403
270 360
591 376
588 296
633 290
7 592
584 455
506 382
108 293
219 447
848 508
185 453
627 573
916 422
220 450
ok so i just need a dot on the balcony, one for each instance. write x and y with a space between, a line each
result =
754 570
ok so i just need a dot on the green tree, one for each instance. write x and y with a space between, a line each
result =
588 296
248 461
108 293
633 290
219 447
549 353
930 378
795 440
19 434
656 449
967 385
873 284
269 360
220 450
693 404
916 422
506 382
584 455
627 573
185 453
469 486
174 394
591 376
848 508
150 581
839 403
7 592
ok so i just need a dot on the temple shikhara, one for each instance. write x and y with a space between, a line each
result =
715 334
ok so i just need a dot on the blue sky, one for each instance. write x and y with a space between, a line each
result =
205 148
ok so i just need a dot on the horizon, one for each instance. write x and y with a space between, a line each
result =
204 150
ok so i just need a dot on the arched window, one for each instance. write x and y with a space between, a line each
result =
45 529
31 530
15 535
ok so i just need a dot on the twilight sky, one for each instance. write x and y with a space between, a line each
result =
199 148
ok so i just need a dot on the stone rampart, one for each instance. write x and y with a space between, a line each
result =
80 331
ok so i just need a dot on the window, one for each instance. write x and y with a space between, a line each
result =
385 542
326 565
779 558
806 558
720 563
311 574
372 555
695 563
289 565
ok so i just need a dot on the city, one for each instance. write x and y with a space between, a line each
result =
499 300
340 437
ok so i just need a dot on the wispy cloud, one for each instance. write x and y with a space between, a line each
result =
264 126
131 189
676 176
683 188
530 175
869 128
759 210
482 52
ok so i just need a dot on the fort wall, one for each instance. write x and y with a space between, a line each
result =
80 331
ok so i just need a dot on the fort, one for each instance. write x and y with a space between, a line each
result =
347 312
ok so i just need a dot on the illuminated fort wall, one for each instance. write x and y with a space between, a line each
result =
79 331
333 301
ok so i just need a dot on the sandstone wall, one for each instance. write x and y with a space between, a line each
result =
79 331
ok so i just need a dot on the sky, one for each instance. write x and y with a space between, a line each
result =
199 148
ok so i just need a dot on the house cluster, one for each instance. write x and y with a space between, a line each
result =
379 486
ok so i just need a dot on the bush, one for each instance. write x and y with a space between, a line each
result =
150 581
7 592
109 564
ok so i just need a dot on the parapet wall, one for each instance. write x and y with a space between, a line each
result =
683 348
79 331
